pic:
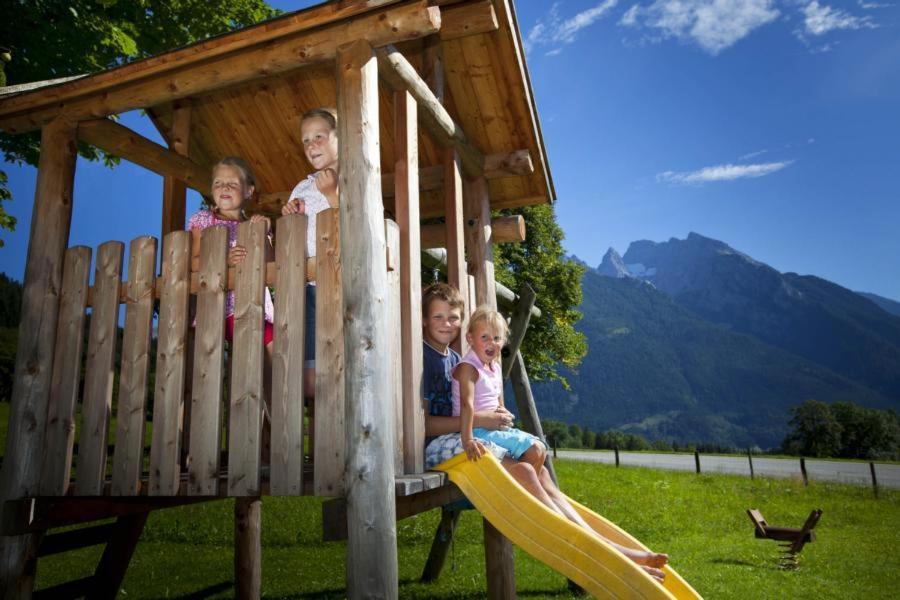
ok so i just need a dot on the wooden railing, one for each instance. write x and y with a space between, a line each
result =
189 403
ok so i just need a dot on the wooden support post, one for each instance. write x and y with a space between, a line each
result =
395 341
441 544
531 422
803 471
616 450
697 461
479 240
131 414
874 478
247 548
457 275
518 325
50 223
171 365
372 543
174 190
750 459
406 207
498 558
287 360
118 552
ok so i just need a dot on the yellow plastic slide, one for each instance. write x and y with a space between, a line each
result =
554 540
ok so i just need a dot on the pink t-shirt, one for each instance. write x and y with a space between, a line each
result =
206 218
488 386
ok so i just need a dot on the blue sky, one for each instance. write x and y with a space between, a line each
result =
772 126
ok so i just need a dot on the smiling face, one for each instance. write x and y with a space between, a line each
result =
485 342
320 143
228 189
441 325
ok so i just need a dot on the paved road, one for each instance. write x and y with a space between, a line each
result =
888 475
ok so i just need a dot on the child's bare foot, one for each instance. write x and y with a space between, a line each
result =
648 559
654 573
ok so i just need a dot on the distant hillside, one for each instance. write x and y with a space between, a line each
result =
886 304
805 315
657 369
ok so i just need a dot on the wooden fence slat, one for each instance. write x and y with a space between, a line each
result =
171 365
132 403
98 378
246 383
66 372
406 205
329 435
286 463
392 300
206 387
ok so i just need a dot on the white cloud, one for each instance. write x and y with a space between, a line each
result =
712 24
819 19
727 172
873 5
752 154
554 30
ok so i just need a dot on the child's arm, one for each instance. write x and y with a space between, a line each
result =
486 419
466 375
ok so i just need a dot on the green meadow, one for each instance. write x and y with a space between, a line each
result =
699 520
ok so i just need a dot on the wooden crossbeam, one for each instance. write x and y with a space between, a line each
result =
192 71
468 19
400 74
121 141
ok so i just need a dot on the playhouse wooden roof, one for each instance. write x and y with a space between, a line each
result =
487 93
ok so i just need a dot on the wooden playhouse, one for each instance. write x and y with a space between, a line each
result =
454 67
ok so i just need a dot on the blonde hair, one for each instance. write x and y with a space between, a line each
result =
442 291
238 163
326 113
496 321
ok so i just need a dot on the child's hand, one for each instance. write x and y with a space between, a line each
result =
236 255
474 449
262 219
327 183
295 206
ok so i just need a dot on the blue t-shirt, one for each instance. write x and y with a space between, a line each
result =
437 379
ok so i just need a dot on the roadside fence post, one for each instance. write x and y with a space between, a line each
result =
750 458
874 479
616 450
697 460
803 471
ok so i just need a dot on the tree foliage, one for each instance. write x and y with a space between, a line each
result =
49 39
540 262
844 430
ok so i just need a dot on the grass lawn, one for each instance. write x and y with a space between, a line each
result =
699 520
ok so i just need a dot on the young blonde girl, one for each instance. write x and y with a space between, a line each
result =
478 386
319 191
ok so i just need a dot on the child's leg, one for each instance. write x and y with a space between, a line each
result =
535 457
650 559
525 475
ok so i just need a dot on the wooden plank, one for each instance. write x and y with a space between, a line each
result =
499 564
329 433
504 230
51 218
454 234
406 207
287 360
247 547
66 372
440 545
174 190
395 352
171 365
114 562
531 422
193 75
119 140
400 74
466 19
75 539
132 402
372 543
98 378
246 384
479 240
209 340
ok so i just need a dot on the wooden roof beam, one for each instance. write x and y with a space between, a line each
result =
505 230
400 74
468 19
187 73
503 164
119 140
